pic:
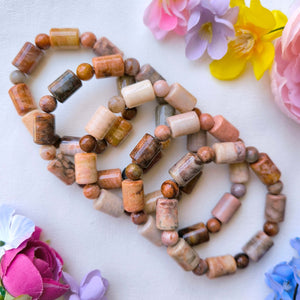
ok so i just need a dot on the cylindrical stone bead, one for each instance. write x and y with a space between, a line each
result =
226 208
196 141
123 81
275 188
22 98
133 195
64 38
104 47
186 169
239 172
150 232
180 98
275 208
167 214
100 123
223 130
44 129
162 112
85 168
266 170
69 145
110 65
220 266
63 169
258 246
184 124
138 93
28 58
110 179
189 187
229 153
184 255
118 132
155 159
195 234
145 151
109 203
150 201
148 72
28 120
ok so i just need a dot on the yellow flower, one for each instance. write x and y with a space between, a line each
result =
255 29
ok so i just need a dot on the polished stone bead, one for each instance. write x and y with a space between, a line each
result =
133 171
118 132
206 154
150 201
100 146
195 234
148 72
156 158
85 71
162 132
47 152
70 145
28 120
169 237
150 232
170 189
201 268
123 81
116 104
275 188
139 218
220 266
167 214
91 191
196 141
110 179
239 172
161 88
162 112
238 190
189 187
48 103
42 41
87 143
106 66
251 155
132 66
129 113
64 38
17 76
133 195
213 225
271 228
105 47
242 260
85 168
88 39
44 129
206 122
223 130
229 152
275 208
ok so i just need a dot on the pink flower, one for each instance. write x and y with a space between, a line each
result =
33 269
162 16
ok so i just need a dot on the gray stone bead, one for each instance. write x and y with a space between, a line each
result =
162 112
275 188
238 190
17 77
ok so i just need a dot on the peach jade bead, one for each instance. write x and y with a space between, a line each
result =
48 103
161 88
133 195
42 41
85 168
223 130
85 71
91 191
162 132
88 39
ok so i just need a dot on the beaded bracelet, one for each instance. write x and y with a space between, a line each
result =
106 126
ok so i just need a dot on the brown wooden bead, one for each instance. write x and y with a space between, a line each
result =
242 260
85 71
206 154
169 237
133 195
213 225
100 146
48 103
88 143
43 129
116 104
88 39
42 41
110 179
129 113
139 218
206 122
91 191
202 268
170 189
105 47
132 66
106 66
271 228
162 132
133 171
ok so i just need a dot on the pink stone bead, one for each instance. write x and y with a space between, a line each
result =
161 88
169 238
223 130
275 208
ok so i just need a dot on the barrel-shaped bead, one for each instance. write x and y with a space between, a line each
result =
64 38
110 179
69 145
220 266
167 214
223 130
196 141
239 172
44 129
110 65
150 201
162 112
104 47
85 168
189 187
148 72
28 120
118 132
150 232
229 153
133 195
195 234
275 208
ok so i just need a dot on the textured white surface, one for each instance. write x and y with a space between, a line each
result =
87 239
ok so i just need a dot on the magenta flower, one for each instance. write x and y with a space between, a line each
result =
209 27
163 16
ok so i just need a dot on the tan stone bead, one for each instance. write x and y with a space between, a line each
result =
150 201
47 152
275 208
229 152
28 120
223 130
104 47
132 66
213 225
169 238
206 154
220 266
133 195
161 88
64 38
48 103
150 232
85 168
170 189
88 39
42 41
116 104
110 179
239 172
44 129
167 214
148 72
275 188
162 132
91 191
206 122
85 71
106 66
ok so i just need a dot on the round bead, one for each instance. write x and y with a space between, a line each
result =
238 190
48 152
213 225
133 171
169 238
85 71
116 104
42 41
170 189
161 88
91 191
271 228
251 154
139 218
206 154
242 260
201 268
206 122
275 188
17 76
88 39
48 103
162 132
129 113
100 146
132 66
88 143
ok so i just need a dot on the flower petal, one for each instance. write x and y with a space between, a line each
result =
280 19
295 243
178 5
195 47
53 289
220 6
218 46
6 213
167 22
194 19
232 14
67 278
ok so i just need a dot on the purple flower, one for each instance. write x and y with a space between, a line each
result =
209 26
92 287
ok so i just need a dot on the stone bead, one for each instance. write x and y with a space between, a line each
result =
42 41
150 201
238 190
223 130
148 72
64 86
101 145
118 132
85 71
48 103
85 168
189 187
123 81
133 171
251 155
43 129
195 234
266 170
87 143
155 159
180 98
91 191
116 104
28 120
145 151
28 58
129 113
63 169
213 225
104 47
201 268
132 66
69 145
22 98
242 260
88 39
161 88
275 208
110 179
109 203
220 266
230 152
57 140
162 112
239 172
184 255
17 76
186 169
206 154
170 189
150 232
196 141
167 214
270 228
139 218
226 208
258 246
64 38
275 188
133 195
47 152
169 237
100 123
110 65
206 122
162 132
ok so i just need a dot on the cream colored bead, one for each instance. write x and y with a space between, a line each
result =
228 153
150 232
150 201
220 266
100 123
28 120
239 172
180 98
85 168
138 93
184 124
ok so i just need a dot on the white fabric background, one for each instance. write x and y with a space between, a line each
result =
88 239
